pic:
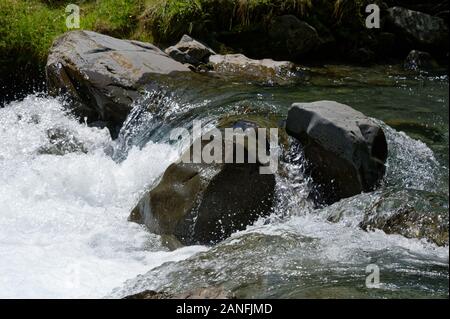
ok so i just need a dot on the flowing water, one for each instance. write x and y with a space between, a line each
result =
66 191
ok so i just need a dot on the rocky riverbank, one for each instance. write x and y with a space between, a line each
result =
300 214
304 32
201 202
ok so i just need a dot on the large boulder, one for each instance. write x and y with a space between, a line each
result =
418 30
203 202
103 76
291 38
265 70
346 151
190 51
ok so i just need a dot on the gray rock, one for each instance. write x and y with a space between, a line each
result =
265 70
61 141
190 51
407 212
199 293
411 213
182 57
346 151
421 29
419 61
203 203
294 37
103 75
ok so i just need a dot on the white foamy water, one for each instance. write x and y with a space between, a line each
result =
64 231
63 218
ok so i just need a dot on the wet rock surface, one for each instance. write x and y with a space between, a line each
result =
265 70
420 61
205 202
198 293
60 142
103 76
345 150
190 51
410 213
418 29
413 214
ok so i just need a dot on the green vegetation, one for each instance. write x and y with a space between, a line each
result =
170 19
28 27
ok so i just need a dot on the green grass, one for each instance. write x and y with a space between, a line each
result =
28 27
169 19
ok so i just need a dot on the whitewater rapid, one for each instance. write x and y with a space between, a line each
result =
64 231
63 218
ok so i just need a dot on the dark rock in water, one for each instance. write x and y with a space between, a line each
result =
149 294
103 75
60 142
407 212
190 51
413 214
203 203
418 29
291 38
182 57
199 293
419 61
345 150
266 70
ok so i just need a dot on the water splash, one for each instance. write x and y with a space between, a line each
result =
63 218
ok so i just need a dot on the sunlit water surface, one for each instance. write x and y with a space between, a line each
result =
66 191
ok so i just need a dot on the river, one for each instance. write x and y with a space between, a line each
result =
66 191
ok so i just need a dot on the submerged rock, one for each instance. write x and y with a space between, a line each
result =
346 151
103 76
410 213
199 293
407 212
265 70
61 141
190 51
419 61
203 203
418 29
